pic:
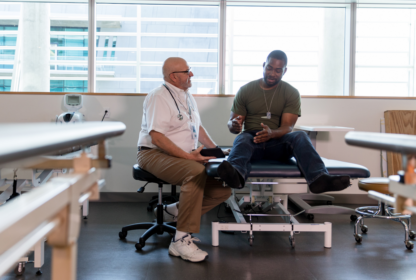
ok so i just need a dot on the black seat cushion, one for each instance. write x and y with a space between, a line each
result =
143 175
289 169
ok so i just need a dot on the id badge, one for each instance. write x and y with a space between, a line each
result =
192 127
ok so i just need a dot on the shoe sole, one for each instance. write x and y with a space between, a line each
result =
178 255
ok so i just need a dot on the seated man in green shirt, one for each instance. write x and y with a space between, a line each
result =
269 109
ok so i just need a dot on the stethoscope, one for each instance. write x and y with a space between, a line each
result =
180 116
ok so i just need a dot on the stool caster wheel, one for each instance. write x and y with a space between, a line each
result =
364 229
39 272
20 269
149 208
329 202
292 241
353 218
409 245
122 235
310 216
412 234
358 238
139 245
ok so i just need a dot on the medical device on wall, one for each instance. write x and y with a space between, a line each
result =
72 102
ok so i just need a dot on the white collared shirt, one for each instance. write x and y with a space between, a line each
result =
161 114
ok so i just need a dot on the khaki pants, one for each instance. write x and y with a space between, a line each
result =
199 193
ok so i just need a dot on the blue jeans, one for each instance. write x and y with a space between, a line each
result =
295 144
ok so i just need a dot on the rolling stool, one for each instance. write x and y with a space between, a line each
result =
381 211
158 227
172 198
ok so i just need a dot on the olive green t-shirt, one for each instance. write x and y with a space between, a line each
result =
249 102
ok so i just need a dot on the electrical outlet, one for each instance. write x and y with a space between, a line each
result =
108 115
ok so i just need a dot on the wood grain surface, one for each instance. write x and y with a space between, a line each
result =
401 122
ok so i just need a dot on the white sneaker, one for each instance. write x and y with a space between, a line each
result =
167 217
187 250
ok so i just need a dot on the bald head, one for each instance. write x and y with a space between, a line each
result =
177 64
173 64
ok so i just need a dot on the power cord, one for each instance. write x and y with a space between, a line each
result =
105 113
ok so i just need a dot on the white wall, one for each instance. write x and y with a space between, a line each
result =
362 114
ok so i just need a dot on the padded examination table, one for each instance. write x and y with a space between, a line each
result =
271 169
276 169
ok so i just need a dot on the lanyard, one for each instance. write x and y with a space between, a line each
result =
180 117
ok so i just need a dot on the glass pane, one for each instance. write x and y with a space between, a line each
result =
50 41
9 20
385 52
133 62
69 86
69 47
312 38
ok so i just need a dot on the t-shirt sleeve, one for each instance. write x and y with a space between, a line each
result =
158 114
293 103
239 106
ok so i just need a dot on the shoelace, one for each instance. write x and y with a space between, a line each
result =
193 239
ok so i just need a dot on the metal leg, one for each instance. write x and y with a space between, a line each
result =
39 254
358 222
409 223
85 208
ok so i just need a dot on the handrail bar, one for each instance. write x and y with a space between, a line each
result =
52 209
399 143
37 214
21 141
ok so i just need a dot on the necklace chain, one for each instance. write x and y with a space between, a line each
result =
265 101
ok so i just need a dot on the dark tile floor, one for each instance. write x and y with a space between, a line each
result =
102 255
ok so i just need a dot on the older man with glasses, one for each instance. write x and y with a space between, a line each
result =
168 148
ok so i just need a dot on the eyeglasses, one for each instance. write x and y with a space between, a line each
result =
185 72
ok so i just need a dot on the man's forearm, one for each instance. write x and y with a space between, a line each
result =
205 139
167 145
281 131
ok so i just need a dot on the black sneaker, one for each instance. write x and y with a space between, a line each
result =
330 183
230 175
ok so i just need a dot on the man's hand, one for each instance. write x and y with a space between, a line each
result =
264 135
196 155
226 151
237 124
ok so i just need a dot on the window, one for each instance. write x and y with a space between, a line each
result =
69 86
133 40
8 36
385 56
143 36
68 48
312 38
5 85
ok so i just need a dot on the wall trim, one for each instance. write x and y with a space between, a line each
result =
202 95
